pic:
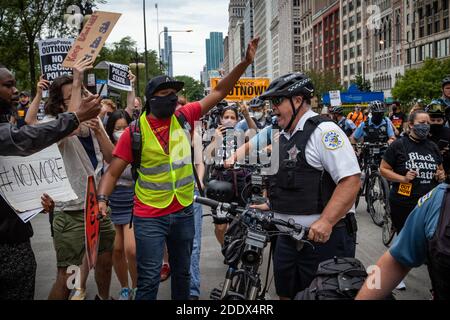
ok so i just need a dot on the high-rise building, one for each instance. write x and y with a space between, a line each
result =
306 35
166 53
285 36
249 33
226 56
262 19
274 23
326 39
214 51
235 32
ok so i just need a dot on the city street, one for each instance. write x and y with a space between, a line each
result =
369 249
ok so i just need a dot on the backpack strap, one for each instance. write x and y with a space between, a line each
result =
136 147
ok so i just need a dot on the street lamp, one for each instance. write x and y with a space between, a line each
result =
159 43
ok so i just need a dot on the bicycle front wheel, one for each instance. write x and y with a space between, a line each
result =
388 229
377 197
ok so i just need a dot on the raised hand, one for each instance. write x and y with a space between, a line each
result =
251 50
42 85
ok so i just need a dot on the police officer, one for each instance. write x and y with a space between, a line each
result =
377 128
445 86
316 185
345 124
424 238
439 133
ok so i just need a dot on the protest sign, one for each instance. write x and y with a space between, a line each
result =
118 77
92 38
245 89
52 53
335 98
91 223
23 180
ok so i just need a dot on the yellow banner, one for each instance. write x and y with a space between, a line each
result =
245 89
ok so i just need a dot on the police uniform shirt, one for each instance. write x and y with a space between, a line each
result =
359 132
410 248
327 149
348 124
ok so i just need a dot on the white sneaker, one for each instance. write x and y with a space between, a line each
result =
401 286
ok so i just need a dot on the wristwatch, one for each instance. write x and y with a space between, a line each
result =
103 198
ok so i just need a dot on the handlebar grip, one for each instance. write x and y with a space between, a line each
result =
207 202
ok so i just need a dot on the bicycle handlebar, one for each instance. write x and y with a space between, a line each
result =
301 232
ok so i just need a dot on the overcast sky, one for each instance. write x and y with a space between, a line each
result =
202 16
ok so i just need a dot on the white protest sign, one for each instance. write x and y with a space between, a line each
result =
23 180
52 53
118 77
335 98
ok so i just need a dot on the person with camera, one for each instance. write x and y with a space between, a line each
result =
316 185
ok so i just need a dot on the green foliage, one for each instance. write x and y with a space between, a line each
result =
193 90
363 85
324 81
423 83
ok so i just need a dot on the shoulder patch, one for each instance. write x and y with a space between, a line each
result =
332 140
425 198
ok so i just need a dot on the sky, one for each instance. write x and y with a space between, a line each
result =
202 16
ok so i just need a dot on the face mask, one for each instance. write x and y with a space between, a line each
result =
436 129
163 107
377 118
136 113
229 123
258 115
118 134
421 130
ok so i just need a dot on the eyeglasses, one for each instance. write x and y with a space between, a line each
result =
276 101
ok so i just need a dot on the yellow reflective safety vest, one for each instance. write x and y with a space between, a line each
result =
165 176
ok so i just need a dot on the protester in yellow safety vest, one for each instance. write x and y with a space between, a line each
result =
357 116
165 185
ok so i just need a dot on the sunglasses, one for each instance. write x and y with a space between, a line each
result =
436 108
276 101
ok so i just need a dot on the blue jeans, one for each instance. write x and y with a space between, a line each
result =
195 257
177 230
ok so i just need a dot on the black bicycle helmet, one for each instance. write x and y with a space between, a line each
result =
221 191
377 106
222 104
290 85
337 110
436 109
446 80
256 103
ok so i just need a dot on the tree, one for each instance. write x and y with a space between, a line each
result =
323 82
363 85
193 90
423 83
22 23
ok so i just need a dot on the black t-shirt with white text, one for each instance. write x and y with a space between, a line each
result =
424 157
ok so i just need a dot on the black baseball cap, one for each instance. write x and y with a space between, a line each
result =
160 83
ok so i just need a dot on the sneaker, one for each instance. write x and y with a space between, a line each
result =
401 286
125 294
165 272
78 294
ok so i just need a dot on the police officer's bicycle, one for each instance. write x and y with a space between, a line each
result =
375 188
245 241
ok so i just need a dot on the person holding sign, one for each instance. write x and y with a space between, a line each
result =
414 164
163 210
15 249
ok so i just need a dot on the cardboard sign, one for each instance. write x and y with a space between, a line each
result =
23 180
52 53
405 189
118 77
245 89
335 98
91 223
92 39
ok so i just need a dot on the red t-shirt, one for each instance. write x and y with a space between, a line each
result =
192 112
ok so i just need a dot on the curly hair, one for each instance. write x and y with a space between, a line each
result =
55 103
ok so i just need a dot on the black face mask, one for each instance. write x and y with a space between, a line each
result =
163 107
436 129
377 118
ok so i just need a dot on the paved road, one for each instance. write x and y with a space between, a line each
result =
369 249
